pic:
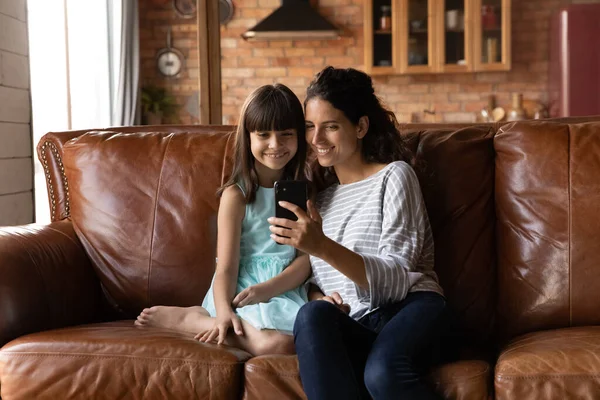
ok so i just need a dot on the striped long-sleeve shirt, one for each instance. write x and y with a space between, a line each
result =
382 218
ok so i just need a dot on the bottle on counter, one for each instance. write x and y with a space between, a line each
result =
516 113
486 112
541 112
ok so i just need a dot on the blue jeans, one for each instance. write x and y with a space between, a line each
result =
377 356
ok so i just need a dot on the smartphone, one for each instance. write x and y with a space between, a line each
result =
295 192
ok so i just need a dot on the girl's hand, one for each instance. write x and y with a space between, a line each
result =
252 295
337 301
306 234
220 328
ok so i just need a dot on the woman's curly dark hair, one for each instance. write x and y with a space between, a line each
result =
351 91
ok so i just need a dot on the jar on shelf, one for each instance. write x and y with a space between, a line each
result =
489 19
385 21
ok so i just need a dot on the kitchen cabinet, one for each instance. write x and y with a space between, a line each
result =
436 36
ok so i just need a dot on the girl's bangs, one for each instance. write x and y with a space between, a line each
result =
274 113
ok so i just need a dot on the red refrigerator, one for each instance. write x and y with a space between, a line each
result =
574 72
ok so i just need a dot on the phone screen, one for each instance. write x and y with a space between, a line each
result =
295 192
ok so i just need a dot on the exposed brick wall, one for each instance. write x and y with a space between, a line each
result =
155 18
246 65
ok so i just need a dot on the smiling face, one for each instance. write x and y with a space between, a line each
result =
272 150
332 136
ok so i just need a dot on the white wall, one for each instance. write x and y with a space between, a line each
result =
16 175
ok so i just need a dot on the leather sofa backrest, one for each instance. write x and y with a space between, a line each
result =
144 207
456 171
548 208
50 154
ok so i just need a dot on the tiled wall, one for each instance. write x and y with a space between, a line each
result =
245 65
16 177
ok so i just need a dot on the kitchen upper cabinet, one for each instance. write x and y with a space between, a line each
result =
491 31
436 36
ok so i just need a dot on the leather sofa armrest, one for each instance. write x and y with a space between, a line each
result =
46 280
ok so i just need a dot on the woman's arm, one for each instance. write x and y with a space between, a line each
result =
388 274
344 260
231 213
307 235
405 250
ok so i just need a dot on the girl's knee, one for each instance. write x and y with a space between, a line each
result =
276 343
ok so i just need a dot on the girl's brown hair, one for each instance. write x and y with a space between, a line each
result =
268 108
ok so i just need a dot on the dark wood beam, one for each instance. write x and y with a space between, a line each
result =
209 61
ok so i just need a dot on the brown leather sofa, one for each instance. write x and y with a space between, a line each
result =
514 209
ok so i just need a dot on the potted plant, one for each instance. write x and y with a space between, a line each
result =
158 105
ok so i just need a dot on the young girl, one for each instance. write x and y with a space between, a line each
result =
257 288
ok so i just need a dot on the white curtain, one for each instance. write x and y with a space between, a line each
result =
125 70
84 68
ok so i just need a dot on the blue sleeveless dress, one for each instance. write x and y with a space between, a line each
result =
261 259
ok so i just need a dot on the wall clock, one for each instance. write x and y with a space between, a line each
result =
185 8
169 60
225 11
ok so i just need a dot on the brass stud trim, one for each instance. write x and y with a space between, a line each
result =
54 151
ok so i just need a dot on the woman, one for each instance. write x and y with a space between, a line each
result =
371 251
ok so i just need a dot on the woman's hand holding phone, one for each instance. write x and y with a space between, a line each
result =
305 234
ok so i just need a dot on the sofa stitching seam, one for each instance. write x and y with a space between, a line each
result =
547 377
252 368
6 354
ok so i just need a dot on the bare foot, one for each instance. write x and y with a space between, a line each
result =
196 319
185 319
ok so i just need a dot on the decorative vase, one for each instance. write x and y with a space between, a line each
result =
154 118
516 113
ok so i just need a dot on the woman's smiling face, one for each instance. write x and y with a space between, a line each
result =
332 136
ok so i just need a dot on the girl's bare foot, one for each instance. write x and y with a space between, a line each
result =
185 319
197 320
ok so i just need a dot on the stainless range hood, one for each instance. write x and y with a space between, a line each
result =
295 19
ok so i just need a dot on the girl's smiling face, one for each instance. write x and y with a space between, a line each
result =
273 149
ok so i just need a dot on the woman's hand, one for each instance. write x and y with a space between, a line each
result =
219 330
306 234
337 301
252 295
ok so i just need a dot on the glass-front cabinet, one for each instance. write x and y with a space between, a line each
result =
436 36
417 36
454 35
491 28
381 22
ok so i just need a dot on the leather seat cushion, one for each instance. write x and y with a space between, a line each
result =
118 360
277 377
555 364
